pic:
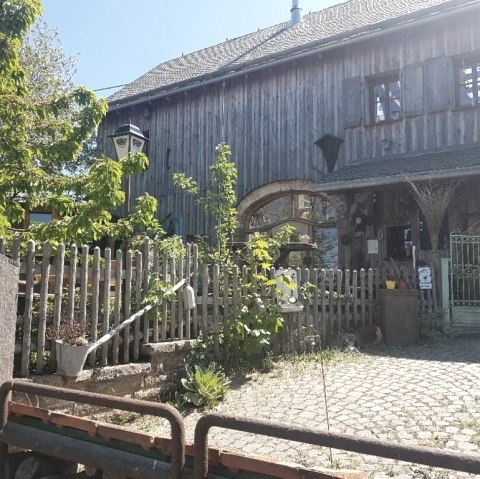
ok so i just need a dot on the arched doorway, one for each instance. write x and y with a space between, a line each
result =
313 215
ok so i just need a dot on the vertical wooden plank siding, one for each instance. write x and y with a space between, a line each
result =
146 277
195 288
355 298
188 277
205 281
164 318
95 302
59 273
27 316
107 272
315 317
72 280
83 288
173 312
348 299
42 318
154 313
57 301
181 318
117 308
216 329
138 302
331 290
339 296
362 296
128 304
323 298
225 293
370 295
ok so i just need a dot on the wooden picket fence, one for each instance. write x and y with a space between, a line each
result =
92 291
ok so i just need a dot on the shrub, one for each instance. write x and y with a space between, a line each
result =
205 386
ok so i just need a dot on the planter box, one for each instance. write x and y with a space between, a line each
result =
398 315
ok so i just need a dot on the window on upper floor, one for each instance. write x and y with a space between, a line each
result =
385 98
468 81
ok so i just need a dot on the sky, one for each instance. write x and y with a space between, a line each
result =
116 41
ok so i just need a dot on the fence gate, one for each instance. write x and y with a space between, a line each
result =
465 280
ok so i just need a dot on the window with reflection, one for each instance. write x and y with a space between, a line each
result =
468 82
311 208
385 99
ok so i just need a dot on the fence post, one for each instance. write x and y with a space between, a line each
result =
95 302
27 315
42 319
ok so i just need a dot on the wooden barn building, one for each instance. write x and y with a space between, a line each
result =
329 116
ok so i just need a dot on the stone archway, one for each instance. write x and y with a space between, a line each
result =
263 194
300 204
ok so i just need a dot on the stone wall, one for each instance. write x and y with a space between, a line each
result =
8 308
163 364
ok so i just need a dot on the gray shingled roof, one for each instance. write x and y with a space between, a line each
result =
333 25
462 161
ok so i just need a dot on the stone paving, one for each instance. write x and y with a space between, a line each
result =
425 395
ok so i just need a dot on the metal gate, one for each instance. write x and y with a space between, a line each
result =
465 280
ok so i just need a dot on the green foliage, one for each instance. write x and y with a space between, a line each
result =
204 386
249 333
158 290
433 327
260 249
186 183
44 125
219 200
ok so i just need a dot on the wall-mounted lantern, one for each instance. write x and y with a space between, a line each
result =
128 139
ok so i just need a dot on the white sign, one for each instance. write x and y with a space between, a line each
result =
425 277
287 290
372 246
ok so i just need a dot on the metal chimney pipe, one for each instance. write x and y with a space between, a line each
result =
296 12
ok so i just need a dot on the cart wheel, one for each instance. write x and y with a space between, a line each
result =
34 466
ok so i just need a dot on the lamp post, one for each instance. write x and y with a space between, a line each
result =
127 139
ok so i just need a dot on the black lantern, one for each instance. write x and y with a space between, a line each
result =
128 139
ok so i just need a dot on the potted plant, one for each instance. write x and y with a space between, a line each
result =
71 347
396 276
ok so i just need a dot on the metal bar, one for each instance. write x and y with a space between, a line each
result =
104 457
420 455
126 404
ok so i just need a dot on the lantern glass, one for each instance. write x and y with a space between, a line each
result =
128 138
121 145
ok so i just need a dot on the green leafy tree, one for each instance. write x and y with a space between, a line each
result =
220 199
42 133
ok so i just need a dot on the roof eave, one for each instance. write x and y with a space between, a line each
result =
396 179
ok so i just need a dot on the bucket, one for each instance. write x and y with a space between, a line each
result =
70 358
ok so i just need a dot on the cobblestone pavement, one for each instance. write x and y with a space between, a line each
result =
425 395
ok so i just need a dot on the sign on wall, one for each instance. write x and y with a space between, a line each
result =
425 277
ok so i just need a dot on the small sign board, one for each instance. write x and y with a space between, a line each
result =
372 245
425 277
287 290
